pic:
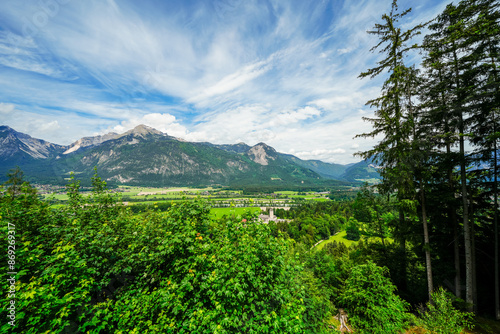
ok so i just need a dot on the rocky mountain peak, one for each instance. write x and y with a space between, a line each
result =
90 141
5 128
142 131
8 131
262 153
13 142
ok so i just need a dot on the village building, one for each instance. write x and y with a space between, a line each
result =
271 217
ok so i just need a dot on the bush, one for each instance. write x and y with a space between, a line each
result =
441 317
210 277
369 299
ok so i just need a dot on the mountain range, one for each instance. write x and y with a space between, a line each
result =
147 157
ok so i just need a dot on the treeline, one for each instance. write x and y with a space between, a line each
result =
268 189
427 115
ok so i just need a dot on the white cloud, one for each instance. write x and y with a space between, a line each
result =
22 53
41 126
6 108
49 127
264 135
344 50
30 65
231 82
320 153
294 116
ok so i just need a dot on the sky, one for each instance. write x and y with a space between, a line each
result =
282 72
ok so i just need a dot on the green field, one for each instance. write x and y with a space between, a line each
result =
134 191
306 195
219 212
132 195
162 196
319 199
369 181
59 197
340 237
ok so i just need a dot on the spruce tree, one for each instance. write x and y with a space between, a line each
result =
393 119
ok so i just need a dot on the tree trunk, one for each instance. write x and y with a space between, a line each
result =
469 294
474 272
456 251
463 176
428 266
495 197
495 208
380 226
473 246
454 222
402 245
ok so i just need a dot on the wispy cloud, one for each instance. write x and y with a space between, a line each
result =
283 72
229 83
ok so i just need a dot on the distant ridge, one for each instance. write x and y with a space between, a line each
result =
90 141
146 156
19 146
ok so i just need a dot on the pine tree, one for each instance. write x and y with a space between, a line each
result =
393 119
442 131
16 179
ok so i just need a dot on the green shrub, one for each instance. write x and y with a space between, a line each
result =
369 299
318 307
210 277
441 317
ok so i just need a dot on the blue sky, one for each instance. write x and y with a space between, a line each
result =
224 71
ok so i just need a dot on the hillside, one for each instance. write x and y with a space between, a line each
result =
145 156
363 171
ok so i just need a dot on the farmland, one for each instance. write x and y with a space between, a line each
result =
222 201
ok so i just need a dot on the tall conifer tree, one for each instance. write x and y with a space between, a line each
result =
392 118
441 128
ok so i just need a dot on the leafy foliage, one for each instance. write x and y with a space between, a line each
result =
93 267
369 298
312 222
352 230
441 317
